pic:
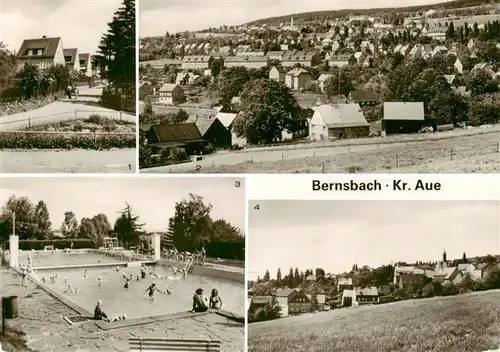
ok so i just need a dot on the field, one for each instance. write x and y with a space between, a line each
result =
459 151
468 323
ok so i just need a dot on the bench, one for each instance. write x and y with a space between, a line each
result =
172 345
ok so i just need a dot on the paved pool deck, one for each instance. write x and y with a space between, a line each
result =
41 320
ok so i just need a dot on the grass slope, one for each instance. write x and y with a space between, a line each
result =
467 323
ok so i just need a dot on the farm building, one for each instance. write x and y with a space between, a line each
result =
364 97
171 94
259 304
182 135
212 131
403 117
276 73
344 283
338 121
227 120
293 301
297 79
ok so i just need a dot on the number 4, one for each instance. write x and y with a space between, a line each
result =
257 207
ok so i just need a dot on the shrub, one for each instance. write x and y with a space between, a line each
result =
108 125
19 140
94 118
78 126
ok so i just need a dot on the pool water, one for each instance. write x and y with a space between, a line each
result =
133 301
45 259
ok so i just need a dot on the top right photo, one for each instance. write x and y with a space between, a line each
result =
317 87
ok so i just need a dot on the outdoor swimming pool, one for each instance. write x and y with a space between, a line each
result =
60 258
132 301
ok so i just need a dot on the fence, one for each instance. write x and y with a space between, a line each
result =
75 115
356 158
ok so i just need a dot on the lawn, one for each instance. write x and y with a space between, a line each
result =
467 323
94 123
477 153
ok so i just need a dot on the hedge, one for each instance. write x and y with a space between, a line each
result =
226 250
27 245
19 140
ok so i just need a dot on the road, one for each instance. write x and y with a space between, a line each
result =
67 161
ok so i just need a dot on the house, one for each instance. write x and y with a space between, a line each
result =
196 62
185 78
259 304
341 60
364 97
359 57
145 89
276 55
171 94
304 58
484 67
293 301
227 120
410 279
277 74
322 80
250 62
42 52
338 121
85 64
403 117
450 274
298 79
71 58
450 79
358 296
212 131
180 135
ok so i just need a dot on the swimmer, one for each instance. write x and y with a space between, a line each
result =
151 289
117 268
131 277
167 292
127 284
65 280
43 279
85 274
99 281
138 278
143 274
125 276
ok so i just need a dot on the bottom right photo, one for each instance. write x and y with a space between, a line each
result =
343 275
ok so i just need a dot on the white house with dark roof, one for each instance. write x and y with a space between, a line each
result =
72 59
341 60
359 296
42 52
171 94
338 121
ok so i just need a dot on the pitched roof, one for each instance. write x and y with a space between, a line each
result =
71 54
324 76
359 96
203 123
182 132
344 281
285 292
342 115
297 72
85 57
404 111
345 57
262 300
298 55
47 45
196 58
367 291
226 118
168 87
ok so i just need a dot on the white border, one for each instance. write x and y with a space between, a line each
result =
453 187
137 105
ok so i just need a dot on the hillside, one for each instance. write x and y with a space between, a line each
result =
333 14
467 323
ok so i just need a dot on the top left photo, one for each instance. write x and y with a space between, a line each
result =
67 86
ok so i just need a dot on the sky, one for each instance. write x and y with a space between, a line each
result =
160 16
334 235
80 23
153 199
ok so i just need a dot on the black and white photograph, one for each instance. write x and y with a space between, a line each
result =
67 86
371 276
122 264
319 87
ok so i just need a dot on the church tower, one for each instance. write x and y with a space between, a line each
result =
444 256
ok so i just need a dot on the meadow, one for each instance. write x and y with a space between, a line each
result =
466 323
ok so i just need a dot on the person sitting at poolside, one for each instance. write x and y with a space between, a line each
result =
152 288
215 300
200 303
98 313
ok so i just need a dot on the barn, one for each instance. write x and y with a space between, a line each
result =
403 117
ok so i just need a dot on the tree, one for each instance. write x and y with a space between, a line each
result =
223 231
116 52
102 228
267 276
484 111
339 84
29 81
86 229
127 227
43 226
191 225
480 83
24 210
69 227
267 109
278 275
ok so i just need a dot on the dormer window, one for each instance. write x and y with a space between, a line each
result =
82 62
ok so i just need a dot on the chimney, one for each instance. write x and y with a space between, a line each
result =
44 36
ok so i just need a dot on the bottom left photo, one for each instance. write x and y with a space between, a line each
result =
122 264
